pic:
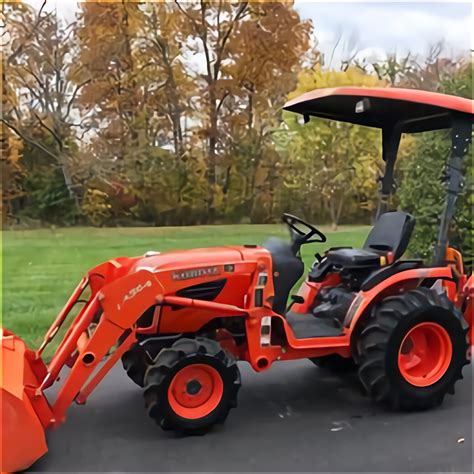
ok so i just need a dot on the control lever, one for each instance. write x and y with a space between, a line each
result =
295 299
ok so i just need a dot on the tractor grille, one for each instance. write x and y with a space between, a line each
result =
146 319
204 291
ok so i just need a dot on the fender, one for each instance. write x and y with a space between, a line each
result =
468 306
399 282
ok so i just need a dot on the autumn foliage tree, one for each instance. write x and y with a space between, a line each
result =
44 74
263 75
178 85
422 190
239 45
10 143
169 113
324 156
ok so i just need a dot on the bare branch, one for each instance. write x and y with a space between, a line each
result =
73 98
219 8
334 49
38 21
219 105
28 87
28 139
203 36
240 11
54 134
187 15
35 76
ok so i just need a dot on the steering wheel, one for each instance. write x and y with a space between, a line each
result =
298 236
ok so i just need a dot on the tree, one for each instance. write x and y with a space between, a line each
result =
422 191
260 80
168 88
106 32
43 70
170 113
11 145
213 27
109 102
141 96
332 162
233 79
243 77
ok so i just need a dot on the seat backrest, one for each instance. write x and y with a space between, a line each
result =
391 233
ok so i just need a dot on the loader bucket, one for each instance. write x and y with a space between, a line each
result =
23 438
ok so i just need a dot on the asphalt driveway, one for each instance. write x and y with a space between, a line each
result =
293 418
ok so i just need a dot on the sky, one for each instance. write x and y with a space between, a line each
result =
376 28
373 28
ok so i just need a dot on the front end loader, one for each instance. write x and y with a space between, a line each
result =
180 321
26 412
23 435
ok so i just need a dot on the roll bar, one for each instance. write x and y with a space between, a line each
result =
461 137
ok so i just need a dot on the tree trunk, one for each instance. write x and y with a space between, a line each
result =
332 213
335 207
63 163
211 165
4 145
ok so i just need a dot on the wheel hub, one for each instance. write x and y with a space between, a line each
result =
195 391
193 387
425 354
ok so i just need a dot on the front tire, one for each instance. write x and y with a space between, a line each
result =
413 350
135 362
191 386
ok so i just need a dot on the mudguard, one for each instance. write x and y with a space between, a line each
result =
402 281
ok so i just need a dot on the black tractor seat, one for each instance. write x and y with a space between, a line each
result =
391 233
349 258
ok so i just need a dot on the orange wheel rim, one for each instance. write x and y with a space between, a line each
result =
425 354
195 391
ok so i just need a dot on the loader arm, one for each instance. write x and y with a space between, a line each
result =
123 301
25 410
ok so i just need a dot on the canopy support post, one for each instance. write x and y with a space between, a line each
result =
461 135
391 136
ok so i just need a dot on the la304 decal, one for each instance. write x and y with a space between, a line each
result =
135 291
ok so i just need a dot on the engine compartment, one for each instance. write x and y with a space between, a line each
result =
333 303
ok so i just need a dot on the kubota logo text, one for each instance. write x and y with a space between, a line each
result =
195 273
134 291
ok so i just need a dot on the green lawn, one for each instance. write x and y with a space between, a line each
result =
42 267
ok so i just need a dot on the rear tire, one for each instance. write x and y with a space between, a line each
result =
191 386
335 363
413 350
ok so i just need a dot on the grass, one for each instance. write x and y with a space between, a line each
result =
42 267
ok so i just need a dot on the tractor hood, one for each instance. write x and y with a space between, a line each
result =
176 265
193 260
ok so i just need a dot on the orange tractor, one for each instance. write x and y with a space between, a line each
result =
181 320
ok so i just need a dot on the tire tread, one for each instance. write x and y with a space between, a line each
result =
164 364
376 338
